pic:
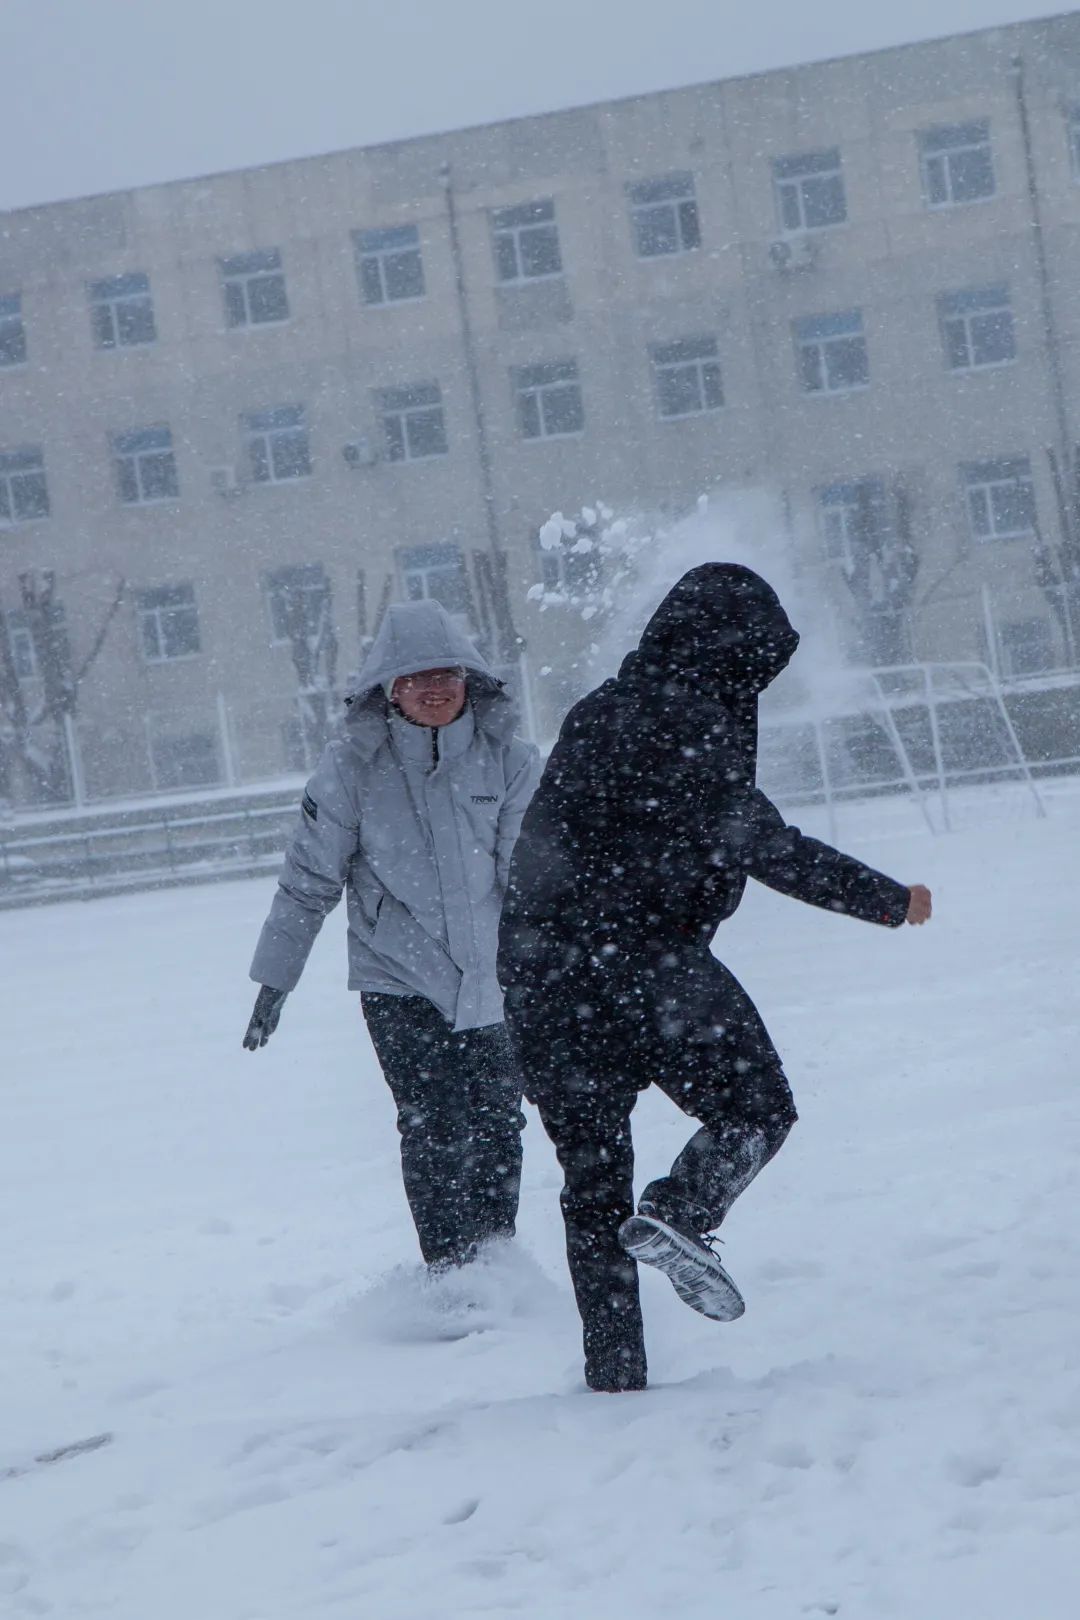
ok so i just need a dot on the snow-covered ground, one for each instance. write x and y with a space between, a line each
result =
206 1255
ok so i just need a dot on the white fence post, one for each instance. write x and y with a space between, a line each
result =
227 756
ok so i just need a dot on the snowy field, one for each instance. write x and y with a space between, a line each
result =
207 1257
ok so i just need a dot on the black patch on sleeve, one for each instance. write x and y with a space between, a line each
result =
309 807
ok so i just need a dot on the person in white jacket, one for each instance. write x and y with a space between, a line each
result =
414 811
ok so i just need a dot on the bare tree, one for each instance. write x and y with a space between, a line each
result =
305 613
34 743
881 571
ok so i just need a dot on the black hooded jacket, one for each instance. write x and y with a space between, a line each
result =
647 821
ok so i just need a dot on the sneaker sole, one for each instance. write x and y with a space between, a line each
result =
703 1285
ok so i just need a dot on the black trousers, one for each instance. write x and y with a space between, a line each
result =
458 1097
690 1028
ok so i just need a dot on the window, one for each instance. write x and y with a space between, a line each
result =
182 762
664 215
297 598
413 422
850 515
278 444
1025 647
389 265
566 571
1000 498
145 466
977 328
957 166
121 312
526 242
810 191
1072 127
437 572
687 377
549 400
832 353
21 642
24 495
12 331
254 289
168 623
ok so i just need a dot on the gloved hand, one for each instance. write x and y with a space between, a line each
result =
264 1020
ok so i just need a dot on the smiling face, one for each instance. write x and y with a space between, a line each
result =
431 697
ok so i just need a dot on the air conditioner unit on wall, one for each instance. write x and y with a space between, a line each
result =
360 453
793 253
224 482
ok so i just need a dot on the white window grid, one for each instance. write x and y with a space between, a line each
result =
122 311
1000 498
21 642
414 426
664 216
12 331
687 377
145 466
437 572
278 445
810 193
832 353
24 494
254 285
169 624
978 329
526 240
845 512
1072 131
306 583
389 265
549 402
957 164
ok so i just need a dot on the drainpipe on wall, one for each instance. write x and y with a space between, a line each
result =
1050 338
510 643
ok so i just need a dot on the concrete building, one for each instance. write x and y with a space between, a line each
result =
265 402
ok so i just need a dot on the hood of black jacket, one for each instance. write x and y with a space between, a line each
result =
721 628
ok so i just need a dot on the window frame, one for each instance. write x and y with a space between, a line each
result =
512 226
164 614
984 485
445 558
114 302
239 273
311 580
851 497
414 408
819 334
969 306
273 428
17 468
12 321
794 173
671 194
537 387
132 451
937 145
676 357
407 246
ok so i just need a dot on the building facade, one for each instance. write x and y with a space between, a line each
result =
238 414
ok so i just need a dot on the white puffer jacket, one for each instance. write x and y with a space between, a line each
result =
417 824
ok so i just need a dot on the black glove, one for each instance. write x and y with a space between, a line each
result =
264 1020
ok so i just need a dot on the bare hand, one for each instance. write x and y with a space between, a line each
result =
920 906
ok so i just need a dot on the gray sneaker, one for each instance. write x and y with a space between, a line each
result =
692 1267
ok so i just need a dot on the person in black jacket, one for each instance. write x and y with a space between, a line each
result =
637 844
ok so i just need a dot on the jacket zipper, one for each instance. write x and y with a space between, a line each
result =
434 749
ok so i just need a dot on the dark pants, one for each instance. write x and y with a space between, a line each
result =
458 1099
693 1031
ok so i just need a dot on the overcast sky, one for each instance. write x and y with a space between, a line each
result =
102 94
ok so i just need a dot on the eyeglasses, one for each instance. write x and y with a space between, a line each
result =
435 678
